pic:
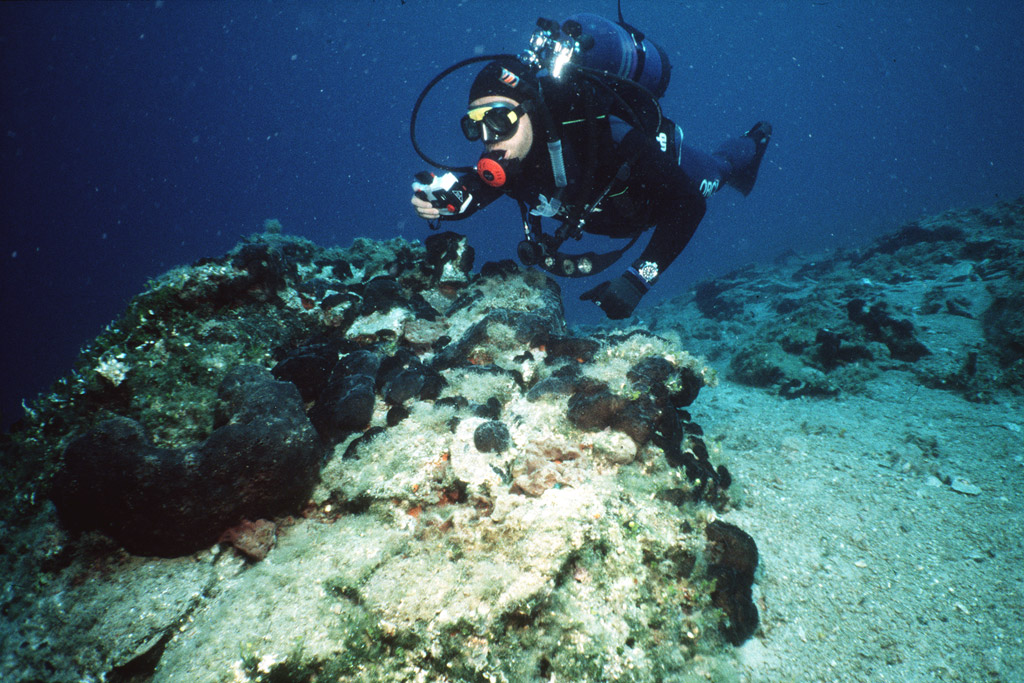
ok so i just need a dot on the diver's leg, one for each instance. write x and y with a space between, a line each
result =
734 163
707 171
744 155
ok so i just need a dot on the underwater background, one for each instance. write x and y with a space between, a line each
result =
142 135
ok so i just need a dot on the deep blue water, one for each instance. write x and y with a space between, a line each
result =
139 136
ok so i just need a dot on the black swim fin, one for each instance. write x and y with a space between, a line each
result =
743 179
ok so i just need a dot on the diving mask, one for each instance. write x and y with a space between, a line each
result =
494 121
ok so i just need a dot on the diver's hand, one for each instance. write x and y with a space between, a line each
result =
618 297
424 209
444 194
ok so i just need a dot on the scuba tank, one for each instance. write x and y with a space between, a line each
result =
621 50
615 55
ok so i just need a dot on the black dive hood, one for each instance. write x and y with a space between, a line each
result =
423 95
544 125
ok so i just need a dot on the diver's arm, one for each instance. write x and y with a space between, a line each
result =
482 195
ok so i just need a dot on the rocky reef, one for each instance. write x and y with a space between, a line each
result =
294 463
940 299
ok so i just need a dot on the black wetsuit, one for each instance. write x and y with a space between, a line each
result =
666 189
667 186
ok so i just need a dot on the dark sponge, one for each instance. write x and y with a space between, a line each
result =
263 460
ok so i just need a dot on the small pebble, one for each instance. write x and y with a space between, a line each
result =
961 485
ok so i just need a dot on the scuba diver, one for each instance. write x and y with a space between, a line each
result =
573 131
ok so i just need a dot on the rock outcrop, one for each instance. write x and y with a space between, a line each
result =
368 464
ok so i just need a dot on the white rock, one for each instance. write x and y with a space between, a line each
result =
961 485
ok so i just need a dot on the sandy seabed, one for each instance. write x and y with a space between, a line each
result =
874 567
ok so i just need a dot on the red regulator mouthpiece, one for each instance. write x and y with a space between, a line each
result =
491 169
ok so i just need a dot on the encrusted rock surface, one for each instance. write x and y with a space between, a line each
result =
939 298
367 464
492 497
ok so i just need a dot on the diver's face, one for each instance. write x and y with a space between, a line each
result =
515 147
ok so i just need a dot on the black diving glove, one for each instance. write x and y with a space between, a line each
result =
618 297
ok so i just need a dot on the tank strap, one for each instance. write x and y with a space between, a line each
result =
641 51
